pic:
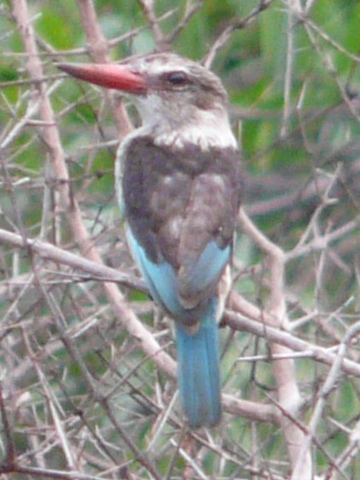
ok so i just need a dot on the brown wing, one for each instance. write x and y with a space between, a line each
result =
178 202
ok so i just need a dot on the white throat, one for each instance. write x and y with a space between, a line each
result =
205 128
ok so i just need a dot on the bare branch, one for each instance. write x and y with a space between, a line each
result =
98 49
190 10
324 355
237 24
284 369
148 9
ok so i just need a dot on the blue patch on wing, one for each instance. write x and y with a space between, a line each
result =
207 269
162 279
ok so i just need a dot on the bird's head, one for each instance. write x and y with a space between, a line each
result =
174 95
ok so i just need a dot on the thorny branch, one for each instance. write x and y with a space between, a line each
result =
235 25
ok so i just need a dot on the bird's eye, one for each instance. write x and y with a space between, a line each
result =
177 78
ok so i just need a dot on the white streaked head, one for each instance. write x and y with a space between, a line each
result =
182 103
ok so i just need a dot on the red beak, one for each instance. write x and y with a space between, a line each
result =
109 75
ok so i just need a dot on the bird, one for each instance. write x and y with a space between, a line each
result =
178 178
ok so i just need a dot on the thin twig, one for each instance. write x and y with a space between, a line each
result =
237 24
284 370
148 9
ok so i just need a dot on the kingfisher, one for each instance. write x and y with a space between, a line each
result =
178 179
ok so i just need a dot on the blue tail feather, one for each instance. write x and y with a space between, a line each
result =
198 371
197 353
